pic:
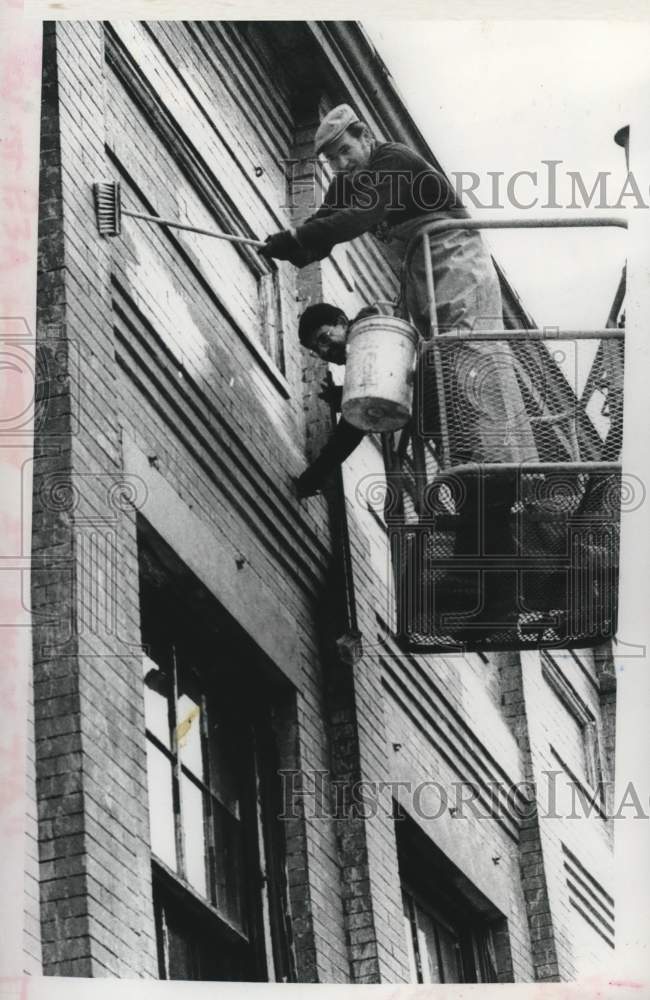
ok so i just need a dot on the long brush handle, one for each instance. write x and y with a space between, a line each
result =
194 229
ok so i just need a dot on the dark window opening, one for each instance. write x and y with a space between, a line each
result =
444 948
190 944
452 934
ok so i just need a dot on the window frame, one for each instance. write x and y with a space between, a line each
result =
468 939
207 189
444 903
170 892
271 316
169 610
584 718
212 804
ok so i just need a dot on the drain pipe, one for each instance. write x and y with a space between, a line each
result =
349 643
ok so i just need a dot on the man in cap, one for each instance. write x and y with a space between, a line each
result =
389 190
375 185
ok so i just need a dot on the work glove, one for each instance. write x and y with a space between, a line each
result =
377 309
331 394
285 246
306 486
367 311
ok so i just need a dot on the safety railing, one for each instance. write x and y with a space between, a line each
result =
464 577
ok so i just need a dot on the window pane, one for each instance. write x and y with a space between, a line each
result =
188 734
193 835
224 753
161 806
431 972
193 948
188 716
156 689
488 956
228 864
181 949
270 317
450 952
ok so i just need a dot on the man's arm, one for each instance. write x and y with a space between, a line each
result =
285 246
333 200
342 442
340 219
398 184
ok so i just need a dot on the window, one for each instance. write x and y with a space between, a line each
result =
435 950
189 946
444 949
196 767
579 752
216 853
270 316
448 939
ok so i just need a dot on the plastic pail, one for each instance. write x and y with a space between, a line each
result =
381 353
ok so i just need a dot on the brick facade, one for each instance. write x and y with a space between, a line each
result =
172 405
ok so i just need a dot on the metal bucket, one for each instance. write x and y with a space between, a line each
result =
381 353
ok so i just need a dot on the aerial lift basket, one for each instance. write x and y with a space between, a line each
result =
501 555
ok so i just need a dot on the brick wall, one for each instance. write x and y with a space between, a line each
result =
533 871
33 959
94 866
563 941
565 825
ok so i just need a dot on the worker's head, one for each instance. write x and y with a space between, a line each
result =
345 140
323 330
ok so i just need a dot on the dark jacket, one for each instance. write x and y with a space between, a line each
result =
397 185
341 443
344 437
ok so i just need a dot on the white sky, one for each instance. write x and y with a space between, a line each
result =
505 95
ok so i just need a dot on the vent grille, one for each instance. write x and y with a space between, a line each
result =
588 897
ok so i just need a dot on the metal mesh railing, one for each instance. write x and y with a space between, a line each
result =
510 559
503 535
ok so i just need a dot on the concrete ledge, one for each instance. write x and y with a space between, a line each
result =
212 558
